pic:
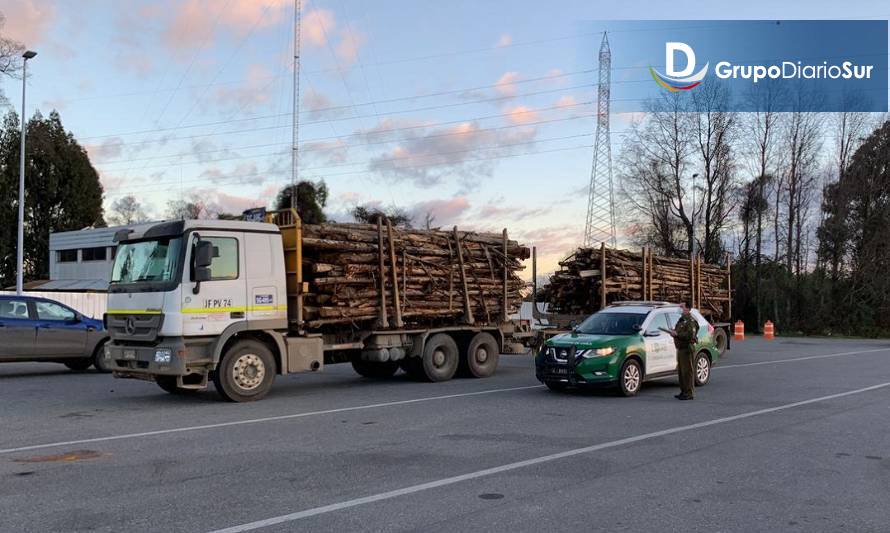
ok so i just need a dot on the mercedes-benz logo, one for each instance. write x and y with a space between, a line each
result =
130 326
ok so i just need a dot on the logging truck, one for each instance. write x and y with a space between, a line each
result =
194 301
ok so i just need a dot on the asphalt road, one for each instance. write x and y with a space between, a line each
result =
791 435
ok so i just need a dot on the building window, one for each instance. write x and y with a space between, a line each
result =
67 256
93 254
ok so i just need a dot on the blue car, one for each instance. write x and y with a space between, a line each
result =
39 329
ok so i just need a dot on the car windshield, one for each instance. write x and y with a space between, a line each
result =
612 324
146 261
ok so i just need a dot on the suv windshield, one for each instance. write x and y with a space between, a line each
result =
612 324
146 260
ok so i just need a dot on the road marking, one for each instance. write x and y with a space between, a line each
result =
358 408
793 359
250 526
259 420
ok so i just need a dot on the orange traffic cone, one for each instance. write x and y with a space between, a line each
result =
739 331
769 332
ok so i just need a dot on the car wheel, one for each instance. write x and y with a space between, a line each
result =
702 369
480 359
720 340
245 372
631 378
99 358
168 384
373 369
556 386
440 358
79 365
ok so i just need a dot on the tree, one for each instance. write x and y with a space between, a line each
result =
10 57
370 214
191 209
62 191
126 210
311 198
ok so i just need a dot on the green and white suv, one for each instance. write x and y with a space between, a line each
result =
621 345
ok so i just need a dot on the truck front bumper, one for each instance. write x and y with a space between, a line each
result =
169 358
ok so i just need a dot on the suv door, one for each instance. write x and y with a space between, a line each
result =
661 354
60 331
17 330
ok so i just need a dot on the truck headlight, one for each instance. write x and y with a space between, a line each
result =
608 350
163 355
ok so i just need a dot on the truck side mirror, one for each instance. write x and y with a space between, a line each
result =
203 254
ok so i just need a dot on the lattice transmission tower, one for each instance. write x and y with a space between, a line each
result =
600 225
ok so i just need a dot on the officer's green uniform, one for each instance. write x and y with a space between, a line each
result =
687 334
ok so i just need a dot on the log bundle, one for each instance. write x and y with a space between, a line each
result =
577 287
386 277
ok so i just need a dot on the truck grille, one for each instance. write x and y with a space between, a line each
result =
134 327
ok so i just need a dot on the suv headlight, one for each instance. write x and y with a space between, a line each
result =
608 350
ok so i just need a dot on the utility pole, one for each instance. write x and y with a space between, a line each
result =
295 147
600 226
20 252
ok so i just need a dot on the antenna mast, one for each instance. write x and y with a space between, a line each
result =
295 146
600 226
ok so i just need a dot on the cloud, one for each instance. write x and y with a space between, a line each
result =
348 47
464 152
504 40
239 174
505 84
552 242
111 148
521 115
445 212
252 94
328 152
193 20
317 25
566 101
27 20
319 107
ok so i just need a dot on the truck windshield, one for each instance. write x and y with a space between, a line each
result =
146 260
612 324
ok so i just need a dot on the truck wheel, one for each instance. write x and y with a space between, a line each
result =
78 365
168 384
373 369
631 378
440 358
702 369
720 340
245 372
481 357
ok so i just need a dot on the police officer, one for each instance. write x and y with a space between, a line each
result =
685 334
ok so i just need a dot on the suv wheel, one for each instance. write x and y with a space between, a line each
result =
631 377
702 369
245 372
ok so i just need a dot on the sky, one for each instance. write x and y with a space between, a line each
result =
479 113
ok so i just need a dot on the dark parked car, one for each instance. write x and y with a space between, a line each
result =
38 329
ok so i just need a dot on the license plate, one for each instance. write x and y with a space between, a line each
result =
129 354
560 371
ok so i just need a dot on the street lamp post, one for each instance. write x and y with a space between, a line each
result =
692 218
29 54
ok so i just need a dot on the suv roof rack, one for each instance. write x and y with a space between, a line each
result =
645 303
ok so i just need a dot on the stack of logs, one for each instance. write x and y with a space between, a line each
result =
439 276
576 288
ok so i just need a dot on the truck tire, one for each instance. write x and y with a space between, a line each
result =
245 372
720 340
79 365
440 358
168 384
373 369
480 359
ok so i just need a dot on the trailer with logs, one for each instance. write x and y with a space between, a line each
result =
591 278
247 300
